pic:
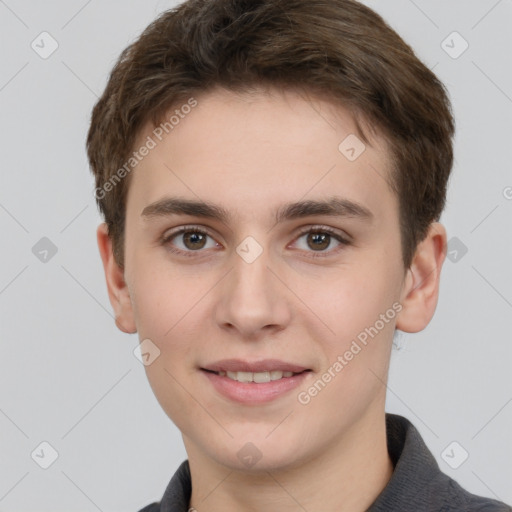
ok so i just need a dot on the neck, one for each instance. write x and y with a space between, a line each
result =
347 477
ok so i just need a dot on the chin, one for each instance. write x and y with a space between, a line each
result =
254 457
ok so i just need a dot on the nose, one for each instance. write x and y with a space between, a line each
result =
252 301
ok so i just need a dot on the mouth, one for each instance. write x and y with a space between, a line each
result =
252 383
258 377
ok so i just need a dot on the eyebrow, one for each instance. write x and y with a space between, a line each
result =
333 206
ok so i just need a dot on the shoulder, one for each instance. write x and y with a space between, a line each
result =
418 483
456 498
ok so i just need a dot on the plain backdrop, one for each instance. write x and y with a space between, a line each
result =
70 379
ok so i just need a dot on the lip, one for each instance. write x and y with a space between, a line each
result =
239 365
252 393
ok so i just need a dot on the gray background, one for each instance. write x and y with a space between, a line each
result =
70 378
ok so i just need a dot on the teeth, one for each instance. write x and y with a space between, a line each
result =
256 376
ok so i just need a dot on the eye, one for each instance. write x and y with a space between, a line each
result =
320 238
187 240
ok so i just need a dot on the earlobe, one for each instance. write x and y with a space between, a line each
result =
117 288
421 285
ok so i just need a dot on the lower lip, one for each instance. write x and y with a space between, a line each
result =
253 392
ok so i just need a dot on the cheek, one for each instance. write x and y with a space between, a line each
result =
170 312
349 301
359 310
170 390
164 297
167 311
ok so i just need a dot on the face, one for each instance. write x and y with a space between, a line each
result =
294 260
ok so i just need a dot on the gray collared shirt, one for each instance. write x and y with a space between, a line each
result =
416 485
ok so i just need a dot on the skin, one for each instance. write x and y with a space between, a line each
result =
251 154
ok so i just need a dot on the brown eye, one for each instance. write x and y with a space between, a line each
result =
318 241
321 241
188 241
194 240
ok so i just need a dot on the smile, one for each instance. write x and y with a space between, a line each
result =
254 388
258 377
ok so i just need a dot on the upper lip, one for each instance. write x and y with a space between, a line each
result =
239 365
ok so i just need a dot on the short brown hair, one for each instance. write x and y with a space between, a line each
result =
339 49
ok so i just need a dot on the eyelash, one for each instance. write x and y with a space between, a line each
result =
314 254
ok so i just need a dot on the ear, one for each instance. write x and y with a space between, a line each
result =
421 285
118 292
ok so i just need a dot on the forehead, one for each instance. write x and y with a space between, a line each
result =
254 149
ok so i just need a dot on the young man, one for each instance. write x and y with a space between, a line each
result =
271 175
